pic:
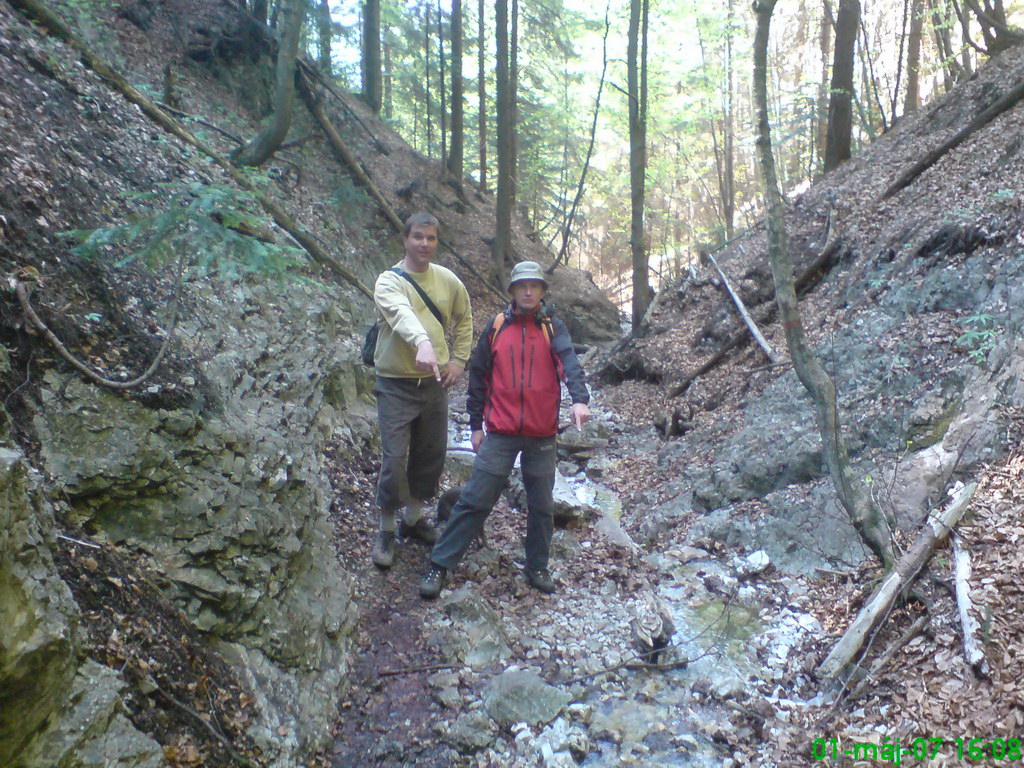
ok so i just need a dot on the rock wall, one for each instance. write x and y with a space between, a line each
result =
55 711
228 500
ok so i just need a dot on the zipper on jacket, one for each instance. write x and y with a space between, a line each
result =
529 379
522 381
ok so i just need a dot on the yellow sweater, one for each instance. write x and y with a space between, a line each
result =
408 322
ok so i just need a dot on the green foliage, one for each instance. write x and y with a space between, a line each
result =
979 336
213 224
347 197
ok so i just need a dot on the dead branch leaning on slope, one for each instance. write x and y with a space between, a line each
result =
741 308
895 583
316 108
806 280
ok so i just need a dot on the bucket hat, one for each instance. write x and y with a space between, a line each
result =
527 270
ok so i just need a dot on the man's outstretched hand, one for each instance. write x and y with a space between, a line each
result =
426 358
580 415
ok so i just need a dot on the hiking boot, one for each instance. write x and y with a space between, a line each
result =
421 529
540 579
433 582
383 552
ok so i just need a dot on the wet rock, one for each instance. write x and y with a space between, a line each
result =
599 466
564 738
564 545
521 696
751 565
569 509
471 732
477 635
568 468
610 528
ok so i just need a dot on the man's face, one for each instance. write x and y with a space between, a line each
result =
420 247
527 294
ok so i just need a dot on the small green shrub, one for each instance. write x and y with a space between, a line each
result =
216 225
979 336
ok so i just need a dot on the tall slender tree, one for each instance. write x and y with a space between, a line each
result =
840 106
455 158
636 75
502 245
441 91
513 98
325 31
912 99
372 80
864 514
481 93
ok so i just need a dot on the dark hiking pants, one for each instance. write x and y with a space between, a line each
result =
490 471
413 415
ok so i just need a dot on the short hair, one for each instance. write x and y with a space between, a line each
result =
421 219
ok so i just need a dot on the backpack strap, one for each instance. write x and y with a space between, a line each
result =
545 323
423 294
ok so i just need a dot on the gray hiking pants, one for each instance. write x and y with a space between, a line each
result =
490 471
413 416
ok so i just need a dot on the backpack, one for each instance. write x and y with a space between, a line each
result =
369 350
545 324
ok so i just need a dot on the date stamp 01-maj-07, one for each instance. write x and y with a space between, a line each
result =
897 752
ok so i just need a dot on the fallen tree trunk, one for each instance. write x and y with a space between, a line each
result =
961 573
316 108
747 319
1005 102
933 532
803 283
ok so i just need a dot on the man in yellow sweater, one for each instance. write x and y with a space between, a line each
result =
415 367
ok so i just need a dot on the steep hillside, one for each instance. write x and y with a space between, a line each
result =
910 257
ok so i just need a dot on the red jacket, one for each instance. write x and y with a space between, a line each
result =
515 377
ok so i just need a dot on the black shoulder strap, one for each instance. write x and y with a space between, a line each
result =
423 294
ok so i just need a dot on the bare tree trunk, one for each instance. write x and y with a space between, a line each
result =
912 100
458 119
940 30
389 105
636 69
442 91
259 11
502 246
426 78
372 89
259 150
865 516
324 35
871 89
513 91
899 60
729 187
825 47
840 106
481 92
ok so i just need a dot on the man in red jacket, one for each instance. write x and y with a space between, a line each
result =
515 377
